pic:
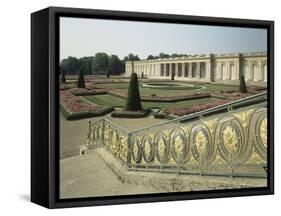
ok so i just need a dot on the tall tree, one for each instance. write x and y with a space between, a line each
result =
70 65
115 65
86 63
100 63
131 57
163 55
149 57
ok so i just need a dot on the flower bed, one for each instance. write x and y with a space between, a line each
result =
130 114
73 108
196 108
256 89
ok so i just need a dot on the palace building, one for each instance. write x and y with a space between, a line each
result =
206 68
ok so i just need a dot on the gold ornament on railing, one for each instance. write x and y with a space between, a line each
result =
201 144
148 149
179 146
161 148
263 132
123 148
230 139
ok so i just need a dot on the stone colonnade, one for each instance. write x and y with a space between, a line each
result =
204 67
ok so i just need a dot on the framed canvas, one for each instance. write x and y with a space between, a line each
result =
132 107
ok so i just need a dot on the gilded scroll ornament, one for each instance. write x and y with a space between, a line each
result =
123 148
161 148
201 144
107 134
135 151
230 139
263 132
179 146
114 143
147 149
243 116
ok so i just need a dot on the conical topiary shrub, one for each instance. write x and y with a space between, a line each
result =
243 87
133 98
62 76
81 81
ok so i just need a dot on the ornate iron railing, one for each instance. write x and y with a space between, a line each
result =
229 140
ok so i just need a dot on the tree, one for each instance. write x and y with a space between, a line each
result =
163 55
150 57
70 65
86 63
115 65
100 63
243 87
133 98
63 76
131 57
81 80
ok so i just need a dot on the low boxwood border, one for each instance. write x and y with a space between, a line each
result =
81 115
164 116
163 99
85 93
130 114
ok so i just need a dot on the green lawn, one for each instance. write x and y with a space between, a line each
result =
109 100
207 88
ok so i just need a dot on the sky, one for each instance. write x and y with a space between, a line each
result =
84 37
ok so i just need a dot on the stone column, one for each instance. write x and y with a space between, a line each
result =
207 70
260 77
190 70
170 69
182 69
265 72
236 65
198 70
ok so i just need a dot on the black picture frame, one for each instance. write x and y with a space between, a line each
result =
45 106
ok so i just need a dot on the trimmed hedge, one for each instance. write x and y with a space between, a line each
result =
168 99
130 114
81 115
163 116
82 92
